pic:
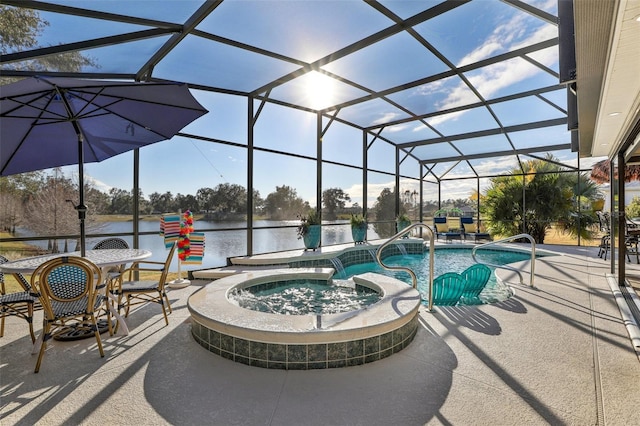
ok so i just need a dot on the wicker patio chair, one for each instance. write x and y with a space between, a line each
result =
113 275
113 243
67 289
19 304
132 292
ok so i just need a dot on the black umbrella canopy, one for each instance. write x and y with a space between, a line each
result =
51 122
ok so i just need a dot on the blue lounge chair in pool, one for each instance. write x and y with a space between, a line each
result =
476 278
447 289
470 230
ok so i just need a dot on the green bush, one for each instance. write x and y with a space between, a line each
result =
633 209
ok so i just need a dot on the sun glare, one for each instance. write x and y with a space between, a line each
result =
319 90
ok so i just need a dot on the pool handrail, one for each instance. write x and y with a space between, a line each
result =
510 268
414 278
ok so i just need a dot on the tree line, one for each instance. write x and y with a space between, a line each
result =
44 203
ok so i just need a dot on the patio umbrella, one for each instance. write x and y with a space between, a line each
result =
600 172
50 122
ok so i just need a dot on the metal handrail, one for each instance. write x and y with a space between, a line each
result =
414 279
510 268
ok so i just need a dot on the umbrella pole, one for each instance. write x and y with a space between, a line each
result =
81 207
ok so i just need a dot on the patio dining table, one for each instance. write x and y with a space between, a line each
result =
104 259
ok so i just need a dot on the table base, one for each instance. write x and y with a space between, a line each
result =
73 333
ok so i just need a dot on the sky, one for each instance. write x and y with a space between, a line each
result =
183 165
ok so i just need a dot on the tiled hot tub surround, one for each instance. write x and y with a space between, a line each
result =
301 342
305 356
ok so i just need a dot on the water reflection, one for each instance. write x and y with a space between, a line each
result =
226 241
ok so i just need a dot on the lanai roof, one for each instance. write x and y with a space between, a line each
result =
451 83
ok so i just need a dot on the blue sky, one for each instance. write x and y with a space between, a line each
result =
184 165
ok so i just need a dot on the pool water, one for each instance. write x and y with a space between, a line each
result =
305 298
445 260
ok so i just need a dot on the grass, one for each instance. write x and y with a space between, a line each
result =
129 218
16 249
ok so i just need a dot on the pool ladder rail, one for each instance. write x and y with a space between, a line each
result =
510 268
414 278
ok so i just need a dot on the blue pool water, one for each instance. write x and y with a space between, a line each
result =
445 260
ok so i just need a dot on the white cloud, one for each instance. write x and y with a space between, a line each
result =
390 116
495 166
445 117
454 190
398 128
460 95
546 32
546 5
491 79
498 41
451 189
98 184
480 53
585 163
503 74
459 189
433 87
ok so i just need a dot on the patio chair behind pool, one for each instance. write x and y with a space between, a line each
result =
447 227
470 228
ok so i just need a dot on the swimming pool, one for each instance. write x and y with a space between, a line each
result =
445 260
330 340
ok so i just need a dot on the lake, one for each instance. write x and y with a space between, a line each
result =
220 243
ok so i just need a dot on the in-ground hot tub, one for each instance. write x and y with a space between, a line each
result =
301 342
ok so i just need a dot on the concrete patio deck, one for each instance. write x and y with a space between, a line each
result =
555 354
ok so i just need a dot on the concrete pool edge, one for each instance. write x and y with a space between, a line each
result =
322 257
295 342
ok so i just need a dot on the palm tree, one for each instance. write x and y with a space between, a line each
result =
532 203
580 221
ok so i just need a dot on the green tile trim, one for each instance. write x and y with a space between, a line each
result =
305 357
